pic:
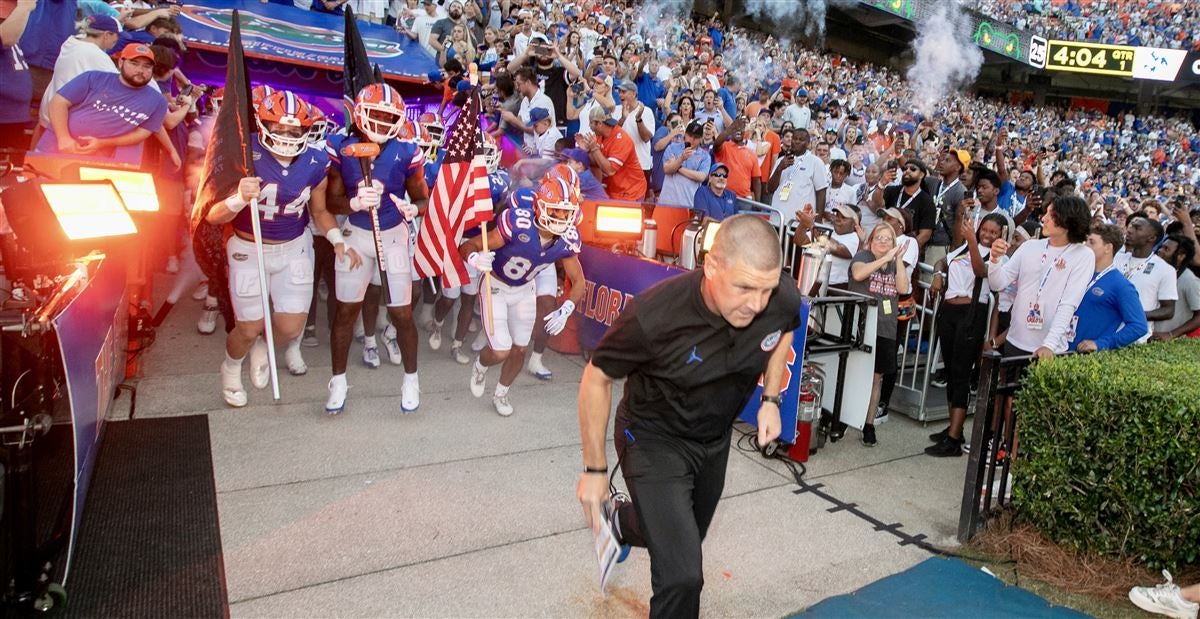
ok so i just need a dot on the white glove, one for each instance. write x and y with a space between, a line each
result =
368 197
481 260
406 208
556 321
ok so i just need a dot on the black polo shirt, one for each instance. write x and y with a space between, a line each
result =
689 372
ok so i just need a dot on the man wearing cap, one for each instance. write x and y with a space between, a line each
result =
79 55
638 121
589 187
713 199
685 166
612 153
423 25
946 199
843 244
909 197
798 112
17 89
98 111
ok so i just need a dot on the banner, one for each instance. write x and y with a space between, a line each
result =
612 280
294 36
987 33
1152 63
92 338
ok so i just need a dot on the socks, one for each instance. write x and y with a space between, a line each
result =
231 364
369 342
410 378
338 380
535 359
479 367
456 344
501 390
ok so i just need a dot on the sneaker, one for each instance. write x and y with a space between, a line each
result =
435 338
260 372
310 338
938 379
1164 599
295 361
948 447
538 370
392 346
938 436
868 435
609 511
478 379
881 416
208 320
371 357
503 406
200 292
173 264
337 397
459 356
837 431
410 394
231 386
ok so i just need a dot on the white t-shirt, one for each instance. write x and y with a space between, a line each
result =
910 253
640 146
799 184
538 100
1152 276
542 146
422 24
1052 278
845 194
76 56
839 269
585 127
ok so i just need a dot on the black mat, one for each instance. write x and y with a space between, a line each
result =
150 544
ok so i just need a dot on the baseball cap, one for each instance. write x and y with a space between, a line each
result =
435 76
575 154
604 78
717 166
102 23
964 158
538 114
137 50
628 86
694 128
598 114
847 211
894 213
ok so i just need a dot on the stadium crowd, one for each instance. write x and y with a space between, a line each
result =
1156 23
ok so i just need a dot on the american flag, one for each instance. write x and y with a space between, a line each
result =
462 199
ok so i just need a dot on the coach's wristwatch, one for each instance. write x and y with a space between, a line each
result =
774 399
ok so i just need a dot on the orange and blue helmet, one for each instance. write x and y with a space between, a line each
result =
557 204
283 109
379 112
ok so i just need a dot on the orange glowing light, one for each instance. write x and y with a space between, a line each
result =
619 219
88 210
710 234
136 188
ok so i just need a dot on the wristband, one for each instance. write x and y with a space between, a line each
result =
595 471
235 203
774 399
334 236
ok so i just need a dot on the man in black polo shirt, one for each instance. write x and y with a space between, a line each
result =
691 349
909 196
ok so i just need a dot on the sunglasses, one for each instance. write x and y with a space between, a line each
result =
719 175
911 168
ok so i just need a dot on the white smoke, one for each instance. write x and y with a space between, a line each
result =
658 21
792 14
946 57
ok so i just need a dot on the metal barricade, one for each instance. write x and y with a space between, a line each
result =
988 482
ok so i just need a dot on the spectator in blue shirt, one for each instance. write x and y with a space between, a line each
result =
728 94
685 164
589 186
1110 315
650 90
712 198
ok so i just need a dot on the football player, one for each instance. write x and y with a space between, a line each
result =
378 118
289 188
524 242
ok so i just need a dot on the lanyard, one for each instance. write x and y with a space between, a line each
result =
1127 271
943 188
1096 277
1050 268
1020 205
910 198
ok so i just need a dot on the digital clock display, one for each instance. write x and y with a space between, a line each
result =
1090 58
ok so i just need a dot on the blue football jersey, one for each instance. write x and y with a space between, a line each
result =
433 166
283 200
397 161
500 181
523 255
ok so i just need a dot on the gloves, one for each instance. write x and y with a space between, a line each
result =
481 260
406 208
556 321
368 196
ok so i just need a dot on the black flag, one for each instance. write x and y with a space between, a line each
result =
225 164
356 67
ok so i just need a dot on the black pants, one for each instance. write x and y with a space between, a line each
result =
675 484
960 332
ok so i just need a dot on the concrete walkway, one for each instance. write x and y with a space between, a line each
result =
453 511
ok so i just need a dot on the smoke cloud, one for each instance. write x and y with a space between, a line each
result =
808 15
946 57
658 20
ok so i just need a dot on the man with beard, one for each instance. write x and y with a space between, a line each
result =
800 180
97 111
908 196
439 34
541 56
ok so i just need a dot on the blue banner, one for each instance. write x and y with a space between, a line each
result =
297 37
612 282
789 407
92 338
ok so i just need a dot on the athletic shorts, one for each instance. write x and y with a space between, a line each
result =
470 288
513 309
289 268
351 283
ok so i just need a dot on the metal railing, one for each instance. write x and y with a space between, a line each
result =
988 483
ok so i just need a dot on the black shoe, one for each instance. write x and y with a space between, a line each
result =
948 447
868 435
938 379
881 416
938 436
837 431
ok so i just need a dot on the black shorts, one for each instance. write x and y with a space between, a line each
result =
885 355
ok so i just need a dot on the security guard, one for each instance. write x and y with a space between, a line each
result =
692 349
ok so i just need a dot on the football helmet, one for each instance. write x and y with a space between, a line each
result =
259 93
566 173
320 125
283 108
433 124
490 151
557 205
379 112
217 97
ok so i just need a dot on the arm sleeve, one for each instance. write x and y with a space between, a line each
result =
76 89
1001 275
624 347
1130 307
1084 264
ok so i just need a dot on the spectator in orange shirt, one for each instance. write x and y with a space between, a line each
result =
745 175
612 152
767 160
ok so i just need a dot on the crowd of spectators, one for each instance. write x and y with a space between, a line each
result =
1150 23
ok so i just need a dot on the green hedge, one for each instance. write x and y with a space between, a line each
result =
1109 452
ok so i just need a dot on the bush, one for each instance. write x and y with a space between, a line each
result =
1109 452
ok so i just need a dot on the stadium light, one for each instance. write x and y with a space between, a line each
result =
136 188
54 221
619 221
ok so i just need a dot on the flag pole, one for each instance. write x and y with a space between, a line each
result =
485 288
268 331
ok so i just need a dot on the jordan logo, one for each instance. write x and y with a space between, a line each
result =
693 357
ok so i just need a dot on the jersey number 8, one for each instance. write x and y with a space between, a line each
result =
516 267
